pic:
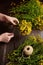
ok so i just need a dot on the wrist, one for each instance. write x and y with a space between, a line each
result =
5 18
2 17
0 38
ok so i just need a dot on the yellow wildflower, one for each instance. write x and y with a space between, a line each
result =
25 27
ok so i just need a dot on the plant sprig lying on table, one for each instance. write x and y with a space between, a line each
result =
16 57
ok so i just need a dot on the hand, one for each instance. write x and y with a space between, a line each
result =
6 37
6 18
13 20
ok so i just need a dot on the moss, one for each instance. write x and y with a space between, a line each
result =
34 59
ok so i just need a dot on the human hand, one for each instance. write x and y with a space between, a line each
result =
6 37
12 20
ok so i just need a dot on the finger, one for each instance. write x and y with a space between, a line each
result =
16 20
10 34
13 23
10 38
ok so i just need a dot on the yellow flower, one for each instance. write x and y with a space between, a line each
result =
25 27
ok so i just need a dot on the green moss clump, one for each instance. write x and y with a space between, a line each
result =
17 58
27 11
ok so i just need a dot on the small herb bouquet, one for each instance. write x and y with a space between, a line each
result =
17 57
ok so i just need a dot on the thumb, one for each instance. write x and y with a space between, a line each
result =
10 34
10 37
13 23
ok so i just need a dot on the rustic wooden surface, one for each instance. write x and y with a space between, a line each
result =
4 49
